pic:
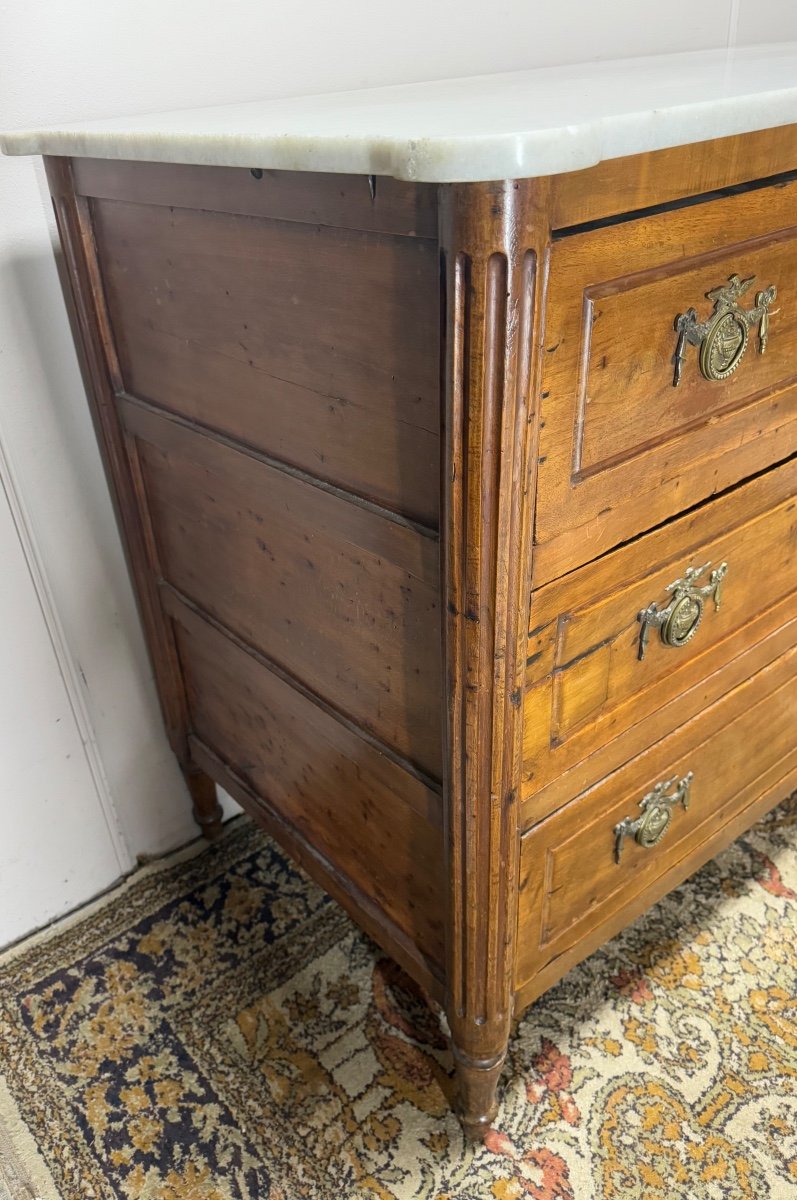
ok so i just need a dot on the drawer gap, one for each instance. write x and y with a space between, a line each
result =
685 512
653 210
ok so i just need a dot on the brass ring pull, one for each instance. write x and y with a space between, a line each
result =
648 829
678 620
724 336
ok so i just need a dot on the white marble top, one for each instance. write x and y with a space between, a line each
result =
515 125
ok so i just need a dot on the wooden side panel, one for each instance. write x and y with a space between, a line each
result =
99 367
338 596
585 681
740 750
293 615
378 205
622 449
356 807
316 345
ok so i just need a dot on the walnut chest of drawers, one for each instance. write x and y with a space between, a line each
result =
462 520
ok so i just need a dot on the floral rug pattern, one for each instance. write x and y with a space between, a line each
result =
217 1029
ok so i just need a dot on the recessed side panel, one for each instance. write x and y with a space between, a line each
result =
314 344
338 596
378 825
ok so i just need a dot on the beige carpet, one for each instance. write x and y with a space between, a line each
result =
216 1029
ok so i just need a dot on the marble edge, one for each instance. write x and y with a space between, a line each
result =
444 158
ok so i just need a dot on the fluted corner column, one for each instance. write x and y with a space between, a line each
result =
494 240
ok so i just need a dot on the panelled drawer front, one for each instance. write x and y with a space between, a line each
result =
621 447
586 682
734 753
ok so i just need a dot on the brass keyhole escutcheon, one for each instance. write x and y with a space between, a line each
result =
724 336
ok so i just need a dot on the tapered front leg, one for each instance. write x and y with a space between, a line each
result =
495 239
478 1091
207 810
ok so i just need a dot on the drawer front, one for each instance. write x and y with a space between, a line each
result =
580 885
621 447
615 642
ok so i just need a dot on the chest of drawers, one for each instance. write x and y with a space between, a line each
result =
462 519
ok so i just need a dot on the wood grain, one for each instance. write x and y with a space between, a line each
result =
350 802
382 799
367 914
495 244
622 185
399 651
100 369
585 682
339 597
239 324
622 449
378 205
765 797
767 637
739 749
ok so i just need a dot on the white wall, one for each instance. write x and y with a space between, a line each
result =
80 801
49 792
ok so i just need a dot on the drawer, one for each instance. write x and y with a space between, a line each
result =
739 757
621 448
601 661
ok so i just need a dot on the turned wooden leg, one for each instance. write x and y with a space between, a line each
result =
207 810
478 1092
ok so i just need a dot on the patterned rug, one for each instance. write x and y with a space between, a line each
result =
216 1029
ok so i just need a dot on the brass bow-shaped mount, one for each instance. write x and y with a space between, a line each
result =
723 337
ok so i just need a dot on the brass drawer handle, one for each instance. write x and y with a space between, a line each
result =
723 337
657 806
678 620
